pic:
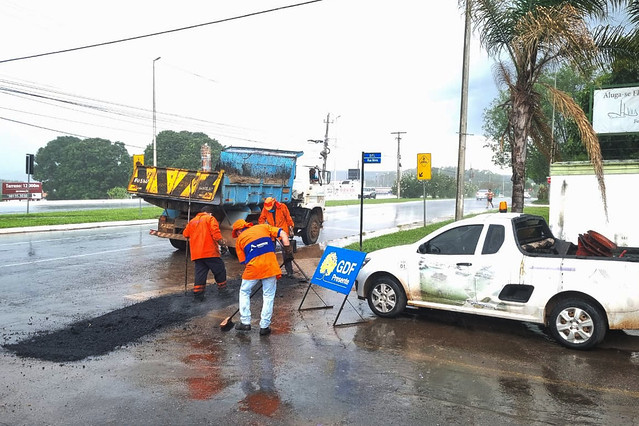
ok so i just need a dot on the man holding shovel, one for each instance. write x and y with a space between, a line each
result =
203 234
255 248
277 214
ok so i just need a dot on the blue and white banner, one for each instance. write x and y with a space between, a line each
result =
338 269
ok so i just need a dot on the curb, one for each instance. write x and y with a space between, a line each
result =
75 226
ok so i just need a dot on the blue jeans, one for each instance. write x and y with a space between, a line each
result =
269 285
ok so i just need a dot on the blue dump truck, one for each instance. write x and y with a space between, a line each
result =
237 187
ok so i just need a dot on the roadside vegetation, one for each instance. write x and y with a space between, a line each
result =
78 216
410 236
335 203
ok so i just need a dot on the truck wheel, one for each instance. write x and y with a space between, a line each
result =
310 234
576 324
178 244
386 298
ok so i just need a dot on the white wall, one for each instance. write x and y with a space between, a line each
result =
576 204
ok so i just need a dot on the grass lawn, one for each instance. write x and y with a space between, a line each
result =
78 216
334 203
410 236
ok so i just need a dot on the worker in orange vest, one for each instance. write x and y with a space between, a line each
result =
276 214
255 248
205 240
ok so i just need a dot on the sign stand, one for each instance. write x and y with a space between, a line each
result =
336 271
326 306
335 324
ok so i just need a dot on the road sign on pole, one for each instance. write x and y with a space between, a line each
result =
423 166
372 157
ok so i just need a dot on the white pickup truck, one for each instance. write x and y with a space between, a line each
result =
509 265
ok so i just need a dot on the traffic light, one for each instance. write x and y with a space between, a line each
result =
30 161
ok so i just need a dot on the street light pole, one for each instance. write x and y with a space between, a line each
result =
399 162
463 119
155 154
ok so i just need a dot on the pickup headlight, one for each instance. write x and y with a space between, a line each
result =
366 260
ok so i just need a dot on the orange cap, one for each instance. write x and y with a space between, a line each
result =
239 225
268 203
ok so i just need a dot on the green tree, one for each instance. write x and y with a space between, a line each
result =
528 37
118 193
565 144
182 150
439 186
72 168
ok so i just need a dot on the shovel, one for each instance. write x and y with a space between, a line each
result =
227 323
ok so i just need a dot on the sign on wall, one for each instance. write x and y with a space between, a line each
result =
616 110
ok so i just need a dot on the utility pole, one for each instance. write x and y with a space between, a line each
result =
463 120
326 149
155 155
399 161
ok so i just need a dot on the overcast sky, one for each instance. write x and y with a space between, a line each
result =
267 80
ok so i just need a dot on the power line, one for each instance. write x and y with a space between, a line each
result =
161 32
59 99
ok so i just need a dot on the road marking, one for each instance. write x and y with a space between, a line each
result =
56 259
84 237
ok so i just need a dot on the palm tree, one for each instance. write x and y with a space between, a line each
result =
527 37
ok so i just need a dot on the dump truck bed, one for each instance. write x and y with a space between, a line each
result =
245 176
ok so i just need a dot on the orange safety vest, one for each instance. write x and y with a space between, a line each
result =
203 232
283 217
256 249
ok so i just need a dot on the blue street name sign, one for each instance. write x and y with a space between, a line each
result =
372 157
338 269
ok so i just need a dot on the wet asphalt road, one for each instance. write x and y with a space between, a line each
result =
169 363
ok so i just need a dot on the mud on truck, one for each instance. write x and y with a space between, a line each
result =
237 187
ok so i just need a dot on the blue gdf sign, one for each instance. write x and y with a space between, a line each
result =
338 269
372 157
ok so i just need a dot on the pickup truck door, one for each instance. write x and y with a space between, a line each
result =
446 271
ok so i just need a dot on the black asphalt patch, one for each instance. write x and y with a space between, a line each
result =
101 335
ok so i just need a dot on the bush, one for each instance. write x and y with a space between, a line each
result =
118 193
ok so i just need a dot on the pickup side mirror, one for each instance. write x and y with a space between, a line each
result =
427 248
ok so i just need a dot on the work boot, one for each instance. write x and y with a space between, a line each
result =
265 331
242 327
199 296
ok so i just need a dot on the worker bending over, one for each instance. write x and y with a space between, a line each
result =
203 236
276 214
255 248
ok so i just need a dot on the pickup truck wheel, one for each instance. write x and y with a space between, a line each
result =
386 298
576 324
310 234
178 244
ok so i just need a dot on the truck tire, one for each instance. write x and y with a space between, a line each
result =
178 244
577 324
310 234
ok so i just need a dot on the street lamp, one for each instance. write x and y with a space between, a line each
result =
155 154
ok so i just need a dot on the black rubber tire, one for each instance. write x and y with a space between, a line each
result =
178 244
386 298
311 233
577 324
